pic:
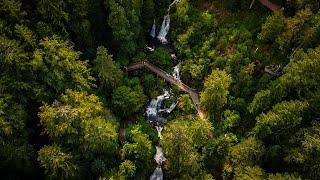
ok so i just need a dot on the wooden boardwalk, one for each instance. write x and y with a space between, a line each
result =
193 94
270 5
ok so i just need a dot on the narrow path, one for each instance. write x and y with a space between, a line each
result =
270 5
193 94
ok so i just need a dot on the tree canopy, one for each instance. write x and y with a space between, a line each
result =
70 108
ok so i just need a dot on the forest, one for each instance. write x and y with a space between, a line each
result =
160 89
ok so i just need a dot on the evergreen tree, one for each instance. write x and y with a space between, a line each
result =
139 151
58 66
182 140
214 94
109 73
128 101
80 121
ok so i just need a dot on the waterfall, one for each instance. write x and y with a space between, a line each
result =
159 129
176 72
157 174
168 110
153 114
154 107
164 29
159 157
165 25
153 29
150 48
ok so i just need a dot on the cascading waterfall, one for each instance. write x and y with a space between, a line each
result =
164 27
176 72
153 29
159 157
157 174
154 107
168 110
153 113
159 130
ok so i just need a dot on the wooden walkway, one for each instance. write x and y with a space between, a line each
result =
193 94
270 5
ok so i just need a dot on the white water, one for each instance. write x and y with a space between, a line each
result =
168 110
155 104
165 26
159 130
153 29
176 72
150 48
157 174
159 157
173 57
164 29
153 113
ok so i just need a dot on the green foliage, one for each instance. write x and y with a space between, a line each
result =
124 21
299 31
25 35
247 153
77 113
79 120
109 73
148 14
12 10
57 163
53 11
67 18
281 120
128 101
231 120
15 75
127 169
139 150
43 45
250 172
216 152
59 66
15 153
243 159
272 27
293 26
160 57
100 137
181 140
12 117
300 77
214 94
285 176
305 156
186 104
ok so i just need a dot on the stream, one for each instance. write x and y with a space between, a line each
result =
154 110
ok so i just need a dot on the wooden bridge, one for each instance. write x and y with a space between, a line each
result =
192 92
270 5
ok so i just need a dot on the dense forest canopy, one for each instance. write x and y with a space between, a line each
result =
69 109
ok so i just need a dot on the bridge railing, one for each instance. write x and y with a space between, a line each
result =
158 71
146 64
